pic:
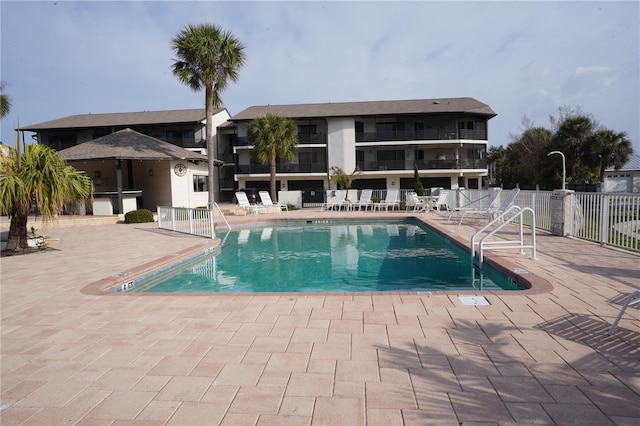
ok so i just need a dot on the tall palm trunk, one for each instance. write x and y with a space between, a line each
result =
272 176
209 97
18 228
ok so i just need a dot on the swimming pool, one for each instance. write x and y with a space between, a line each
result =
336 256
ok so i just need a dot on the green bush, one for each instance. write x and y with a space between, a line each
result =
138 216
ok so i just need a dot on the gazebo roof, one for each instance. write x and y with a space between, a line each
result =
128 144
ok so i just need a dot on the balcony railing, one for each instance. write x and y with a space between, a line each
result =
282 168
427 134
422 164
303 139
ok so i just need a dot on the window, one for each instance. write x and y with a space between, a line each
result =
306 129
200 183
390 155
385 127
308 157
60 142
98 133
391 126
466 125
189 136
181 137
174 137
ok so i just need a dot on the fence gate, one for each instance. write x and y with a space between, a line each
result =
312 197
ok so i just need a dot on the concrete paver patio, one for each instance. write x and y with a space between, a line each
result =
295 359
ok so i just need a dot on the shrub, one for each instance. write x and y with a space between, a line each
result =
138 216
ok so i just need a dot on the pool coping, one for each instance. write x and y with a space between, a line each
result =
532 283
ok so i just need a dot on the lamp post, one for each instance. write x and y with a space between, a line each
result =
564 167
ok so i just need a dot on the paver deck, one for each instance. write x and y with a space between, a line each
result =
295 359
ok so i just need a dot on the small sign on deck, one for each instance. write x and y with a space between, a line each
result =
474 300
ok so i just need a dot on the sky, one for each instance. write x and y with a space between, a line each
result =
523 59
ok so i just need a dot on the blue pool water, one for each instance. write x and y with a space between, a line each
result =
329 257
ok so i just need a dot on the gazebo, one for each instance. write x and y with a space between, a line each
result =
127 165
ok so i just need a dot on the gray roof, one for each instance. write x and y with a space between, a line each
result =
120 119
350 109
128 144
632 164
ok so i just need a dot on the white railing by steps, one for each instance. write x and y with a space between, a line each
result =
514 213
198 221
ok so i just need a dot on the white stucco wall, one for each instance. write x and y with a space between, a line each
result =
182 193
341 143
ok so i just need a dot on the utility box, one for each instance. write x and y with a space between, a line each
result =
561 217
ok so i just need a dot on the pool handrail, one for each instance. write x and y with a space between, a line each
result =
506 217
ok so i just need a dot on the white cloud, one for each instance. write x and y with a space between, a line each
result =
587 82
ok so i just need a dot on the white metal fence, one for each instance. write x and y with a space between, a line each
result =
198 221
605 218
612 219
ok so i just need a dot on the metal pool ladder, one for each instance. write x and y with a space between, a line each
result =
511 214
223 218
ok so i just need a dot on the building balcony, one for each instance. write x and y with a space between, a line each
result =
303 139
245 169
428 134
462 164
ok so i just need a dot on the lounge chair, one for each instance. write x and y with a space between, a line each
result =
268 203
365 199
337 200
414 203
493 211
505 204
482 204
441 201
244 205
631 300
391 200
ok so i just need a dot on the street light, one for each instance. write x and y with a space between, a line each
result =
564 167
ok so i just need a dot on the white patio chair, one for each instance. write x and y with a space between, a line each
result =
244 205
365 199
391 200
480 205
441 201
414 203
493 210
267 202
337 200
631 300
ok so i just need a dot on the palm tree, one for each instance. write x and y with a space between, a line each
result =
5 102
39 179
570 138
273 136
207 57
607 148
342 178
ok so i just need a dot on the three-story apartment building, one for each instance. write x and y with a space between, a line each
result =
445 138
